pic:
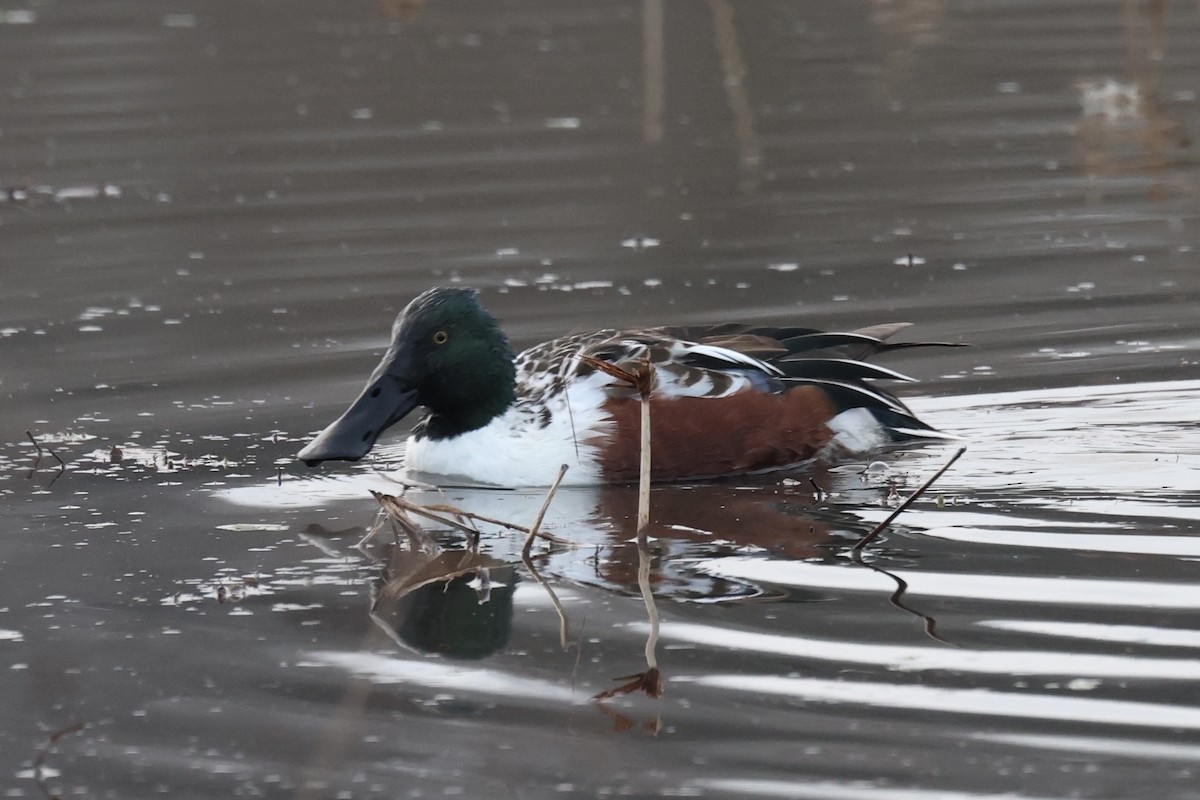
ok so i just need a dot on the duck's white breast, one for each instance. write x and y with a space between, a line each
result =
525 446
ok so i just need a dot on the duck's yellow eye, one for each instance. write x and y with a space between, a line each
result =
441 337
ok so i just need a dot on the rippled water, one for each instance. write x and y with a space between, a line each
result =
210 215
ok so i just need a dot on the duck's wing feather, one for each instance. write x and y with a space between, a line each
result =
721 360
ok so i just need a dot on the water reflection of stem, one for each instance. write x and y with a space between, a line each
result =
558 606
733 68
622 723
649 681
648 599
895 600
653 71
39 763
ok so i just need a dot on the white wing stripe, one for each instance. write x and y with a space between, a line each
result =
729 356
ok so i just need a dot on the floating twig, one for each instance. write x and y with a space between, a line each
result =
878 529
389 501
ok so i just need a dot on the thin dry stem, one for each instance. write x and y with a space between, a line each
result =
878 529
537 522
643 518
639 377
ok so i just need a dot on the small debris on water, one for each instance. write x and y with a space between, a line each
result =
877 470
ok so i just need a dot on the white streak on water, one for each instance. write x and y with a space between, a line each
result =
982 702
831 790
437 674
916 659
1004 588
1122 748
1099 543
1126 634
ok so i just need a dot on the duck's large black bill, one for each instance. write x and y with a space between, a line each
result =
352 435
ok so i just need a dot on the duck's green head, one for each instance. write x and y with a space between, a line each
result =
447 354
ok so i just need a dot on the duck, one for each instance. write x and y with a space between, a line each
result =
725 400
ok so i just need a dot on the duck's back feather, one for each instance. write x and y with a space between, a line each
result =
732 399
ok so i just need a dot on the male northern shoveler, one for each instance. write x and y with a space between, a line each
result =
727 399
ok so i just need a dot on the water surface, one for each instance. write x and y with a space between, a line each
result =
211 214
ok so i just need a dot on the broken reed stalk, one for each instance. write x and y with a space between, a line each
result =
537 522
878 529
643 518
640 377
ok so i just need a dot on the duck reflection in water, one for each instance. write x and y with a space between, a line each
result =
456 603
